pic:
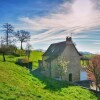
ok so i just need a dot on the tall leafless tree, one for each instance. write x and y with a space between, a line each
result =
22 36
8 29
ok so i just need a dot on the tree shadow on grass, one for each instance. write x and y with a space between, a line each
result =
98 95
50 83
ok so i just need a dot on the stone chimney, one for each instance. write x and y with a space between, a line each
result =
68 39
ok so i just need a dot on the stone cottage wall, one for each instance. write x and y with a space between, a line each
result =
73 57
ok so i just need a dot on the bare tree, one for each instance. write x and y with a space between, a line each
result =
28 50
22 36
8 29
94 70
62 66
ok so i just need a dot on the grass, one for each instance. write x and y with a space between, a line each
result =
86 62
89 55
18 83
34 57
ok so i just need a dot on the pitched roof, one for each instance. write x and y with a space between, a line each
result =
56 49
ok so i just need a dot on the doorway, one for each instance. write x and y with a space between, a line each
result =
70 77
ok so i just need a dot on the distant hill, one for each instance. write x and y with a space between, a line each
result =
40 50
85 53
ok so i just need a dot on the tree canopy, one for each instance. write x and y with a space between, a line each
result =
22 36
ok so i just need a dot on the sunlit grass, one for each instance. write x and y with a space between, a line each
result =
17 83
34 57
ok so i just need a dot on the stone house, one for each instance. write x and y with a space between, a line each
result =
67 50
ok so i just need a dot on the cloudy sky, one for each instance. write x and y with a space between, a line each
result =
50 21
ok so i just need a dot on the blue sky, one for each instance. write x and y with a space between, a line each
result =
50 21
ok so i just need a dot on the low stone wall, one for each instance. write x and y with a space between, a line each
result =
27 65
85 83
24 64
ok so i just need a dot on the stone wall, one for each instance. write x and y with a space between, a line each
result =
70 54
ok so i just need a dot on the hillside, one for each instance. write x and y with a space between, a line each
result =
18 83
34 57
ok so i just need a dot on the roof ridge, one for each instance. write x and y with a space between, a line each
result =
58 42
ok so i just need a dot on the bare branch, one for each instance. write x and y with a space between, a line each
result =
22 36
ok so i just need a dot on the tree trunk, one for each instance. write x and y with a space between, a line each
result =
7 39
99 88
96 87
21 46
7 36
4 57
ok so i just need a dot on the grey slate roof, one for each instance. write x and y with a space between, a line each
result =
56 49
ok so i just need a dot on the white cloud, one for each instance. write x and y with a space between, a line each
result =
79 16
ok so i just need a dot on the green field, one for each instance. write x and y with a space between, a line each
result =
86 62
18 83
34 57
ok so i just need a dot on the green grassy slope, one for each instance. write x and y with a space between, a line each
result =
35 56
17 83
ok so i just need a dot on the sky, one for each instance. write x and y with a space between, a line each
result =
51 21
